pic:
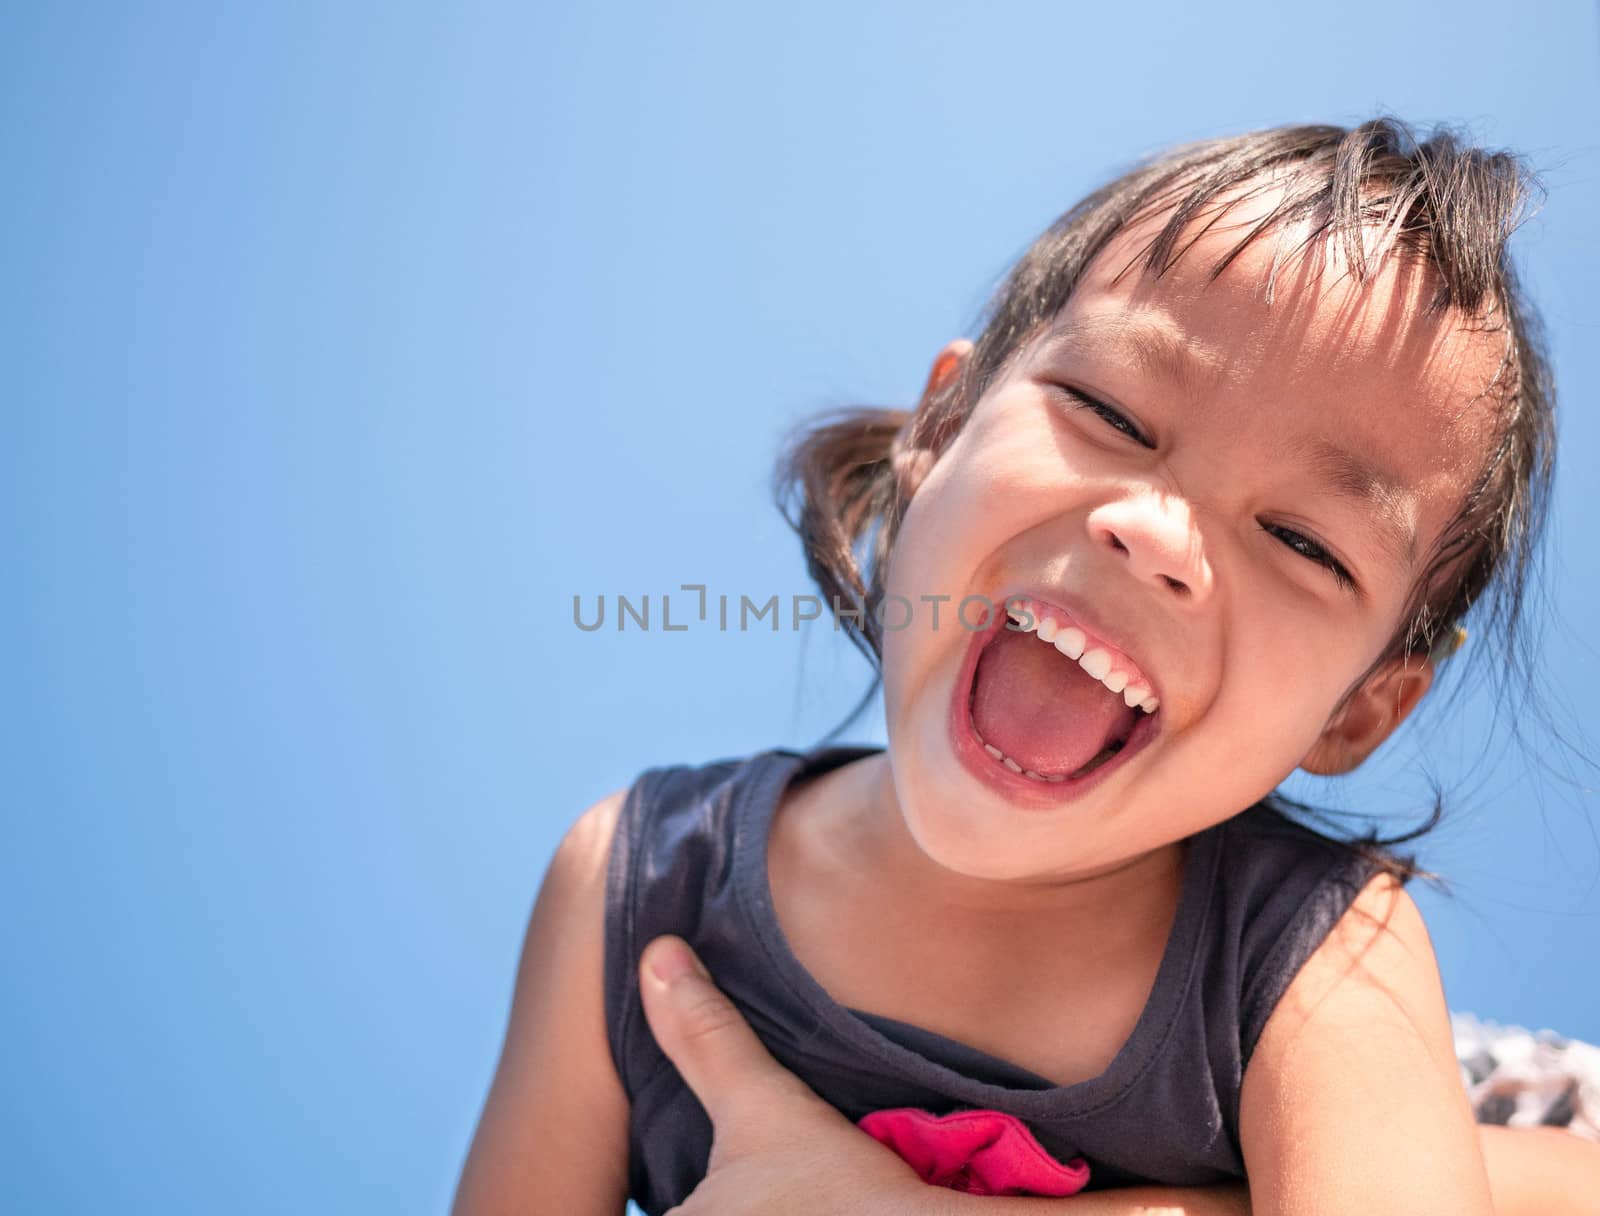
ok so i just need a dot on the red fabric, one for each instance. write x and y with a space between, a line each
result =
981 1152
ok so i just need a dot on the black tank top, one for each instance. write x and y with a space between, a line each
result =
1259 894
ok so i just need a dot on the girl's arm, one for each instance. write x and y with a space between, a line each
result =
553 1136
1352 1101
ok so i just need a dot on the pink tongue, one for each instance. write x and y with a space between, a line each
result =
1040 708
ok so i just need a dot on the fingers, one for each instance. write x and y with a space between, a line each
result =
707 1039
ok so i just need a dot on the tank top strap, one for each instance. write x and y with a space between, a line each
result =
1283 888
669 846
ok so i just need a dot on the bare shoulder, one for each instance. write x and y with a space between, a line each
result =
554 1131
1353 1096
1379 950
580 859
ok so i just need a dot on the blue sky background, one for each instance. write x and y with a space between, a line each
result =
344 344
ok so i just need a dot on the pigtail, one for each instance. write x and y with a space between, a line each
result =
834 484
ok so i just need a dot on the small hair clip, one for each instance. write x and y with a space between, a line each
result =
1450 641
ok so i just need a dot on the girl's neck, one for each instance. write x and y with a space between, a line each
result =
855 811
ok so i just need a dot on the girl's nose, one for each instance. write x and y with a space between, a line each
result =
1156 535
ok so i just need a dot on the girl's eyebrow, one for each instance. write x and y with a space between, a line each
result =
1162 350
1156 348
1350 474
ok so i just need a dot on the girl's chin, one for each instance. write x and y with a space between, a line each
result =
965 854
968 831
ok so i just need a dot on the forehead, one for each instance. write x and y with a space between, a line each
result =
1327 360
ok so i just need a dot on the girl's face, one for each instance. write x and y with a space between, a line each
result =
1242 516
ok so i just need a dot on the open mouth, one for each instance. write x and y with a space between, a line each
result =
1045 703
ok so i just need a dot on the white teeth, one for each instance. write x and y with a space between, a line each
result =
1014 766
1017 768
1097 663
1071 642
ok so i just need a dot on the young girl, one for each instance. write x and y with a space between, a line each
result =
1246 434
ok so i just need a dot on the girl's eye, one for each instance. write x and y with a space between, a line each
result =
1309 549
1112 416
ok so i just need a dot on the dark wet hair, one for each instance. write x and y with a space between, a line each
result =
1445 203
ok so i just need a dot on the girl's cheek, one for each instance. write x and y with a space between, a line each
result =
1295 669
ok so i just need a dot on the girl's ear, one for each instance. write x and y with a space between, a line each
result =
1370 715
912 464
